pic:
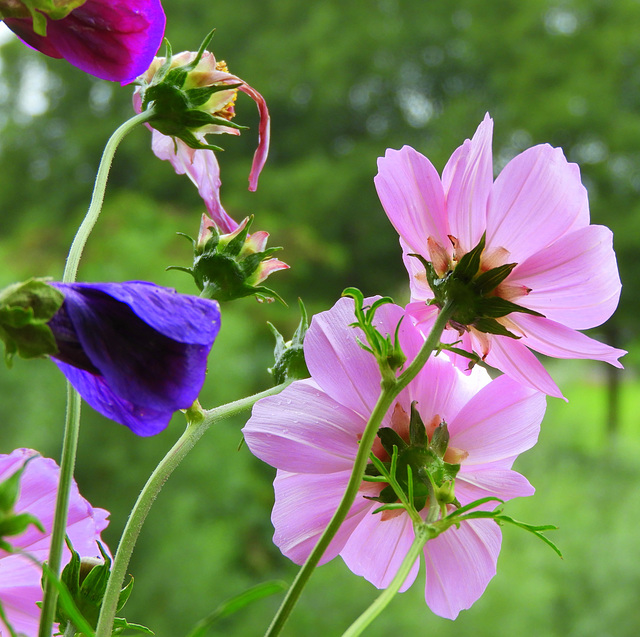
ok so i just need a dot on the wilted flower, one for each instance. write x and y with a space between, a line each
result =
20 586
136 352
518 256
311 433
194 96
111 39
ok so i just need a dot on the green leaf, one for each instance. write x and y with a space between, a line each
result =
236 603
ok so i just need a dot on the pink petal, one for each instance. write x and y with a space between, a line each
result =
260 156
500 483
345 371
304 505
377 548
302 429
411 194
440 388
513 358
575 280
420 290
559 341
536 199
201 166
460 563
501 421
470 173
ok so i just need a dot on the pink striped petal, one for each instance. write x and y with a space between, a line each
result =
302 429
304 505
557 340
501 421
575 280
441 388
536 199
460 564
411 193
470 172
377 548
341 367
500 483
513 358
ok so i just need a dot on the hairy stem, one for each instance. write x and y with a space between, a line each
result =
198 423
382 601
388 394
72 424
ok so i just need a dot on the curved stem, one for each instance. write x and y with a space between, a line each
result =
382 601
198 423
97 197
72 424
387 395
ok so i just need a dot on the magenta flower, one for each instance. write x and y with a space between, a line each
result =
111 39
20 587
194 159
310 432
136 352
557 269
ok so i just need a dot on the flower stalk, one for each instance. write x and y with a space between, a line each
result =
390 390
72 423
198 421
423 535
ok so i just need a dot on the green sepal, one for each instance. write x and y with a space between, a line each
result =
417 430
25 310
469 265
496 307
289 355
491 326
201 94
491 279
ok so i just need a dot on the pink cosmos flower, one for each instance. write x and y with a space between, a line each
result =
20 587
201 165
535 217
111 39
311 430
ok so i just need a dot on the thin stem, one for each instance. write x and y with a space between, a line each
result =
97 197
357 628
72 424
67 464
198 423
387 395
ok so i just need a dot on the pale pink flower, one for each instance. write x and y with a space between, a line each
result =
201 165
535 215
20 586
311 430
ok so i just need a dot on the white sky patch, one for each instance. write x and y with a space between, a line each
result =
34 84
6 34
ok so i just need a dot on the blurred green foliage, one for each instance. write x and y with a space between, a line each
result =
344 81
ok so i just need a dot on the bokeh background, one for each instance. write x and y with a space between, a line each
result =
344 80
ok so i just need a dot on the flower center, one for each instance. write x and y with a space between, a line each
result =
418 458
476 284
228 111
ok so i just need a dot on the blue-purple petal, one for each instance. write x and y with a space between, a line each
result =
112 39
95 391
135 351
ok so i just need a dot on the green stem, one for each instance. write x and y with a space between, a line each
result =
97 197
381 602
72 424
67 464
388 394
198 423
